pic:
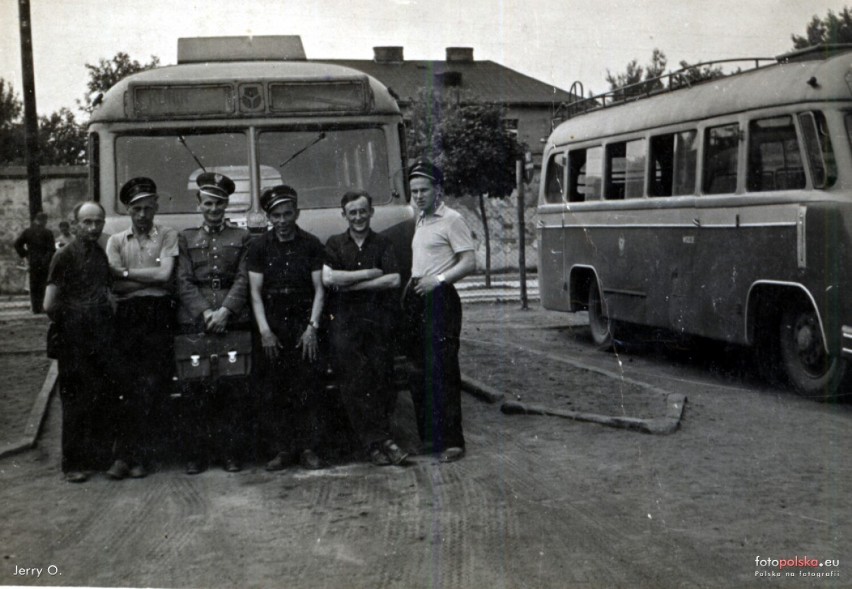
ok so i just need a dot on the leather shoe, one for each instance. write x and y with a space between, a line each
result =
232 465
192 467
452 454
281 461
138 472
394 453
309 460
118 470
75 476
379 458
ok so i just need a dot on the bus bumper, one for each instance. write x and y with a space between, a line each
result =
846 346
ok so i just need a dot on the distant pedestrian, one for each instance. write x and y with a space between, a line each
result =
36 245
442 254
287 297
362 275
77 300
142 259
65 237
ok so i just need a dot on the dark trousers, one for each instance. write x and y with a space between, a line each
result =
86 384
145 368
212 419
364 365
38 283
433 330
290 387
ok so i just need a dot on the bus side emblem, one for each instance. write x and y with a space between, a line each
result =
621 246
251 97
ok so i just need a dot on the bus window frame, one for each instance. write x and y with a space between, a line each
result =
705 129
752 133
550 161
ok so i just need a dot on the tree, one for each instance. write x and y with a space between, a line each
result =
692 74
630 83
469 141
834 28
62 140
108 72
11 129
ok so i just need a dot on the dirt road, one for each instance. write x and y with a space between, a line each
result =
539 502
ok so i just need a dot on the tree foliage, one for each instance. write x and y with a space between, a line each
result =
637 80
107 72
62 140
692 74
11 128
834 28
468 141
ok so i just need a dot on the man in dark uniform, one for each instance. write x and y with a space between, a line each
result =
36 244
442 254
213 290
361 272
287 296
142 259
77 300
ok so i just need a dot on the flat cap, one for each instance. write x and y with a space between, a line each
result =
424 168
272 197
215 185
136 188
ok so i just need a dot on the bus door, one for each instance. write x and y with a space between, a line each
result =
552 277
672 183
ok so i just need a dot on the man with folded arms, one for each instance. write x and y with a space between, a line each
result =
142 259
361 272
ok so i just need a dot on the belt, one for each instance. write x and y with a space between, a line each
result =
220 283
287 290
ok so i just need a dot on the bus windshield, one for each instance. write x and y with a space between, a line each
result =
320 164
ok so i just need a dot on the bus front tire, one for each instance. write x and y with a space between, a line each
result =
599 324
809 369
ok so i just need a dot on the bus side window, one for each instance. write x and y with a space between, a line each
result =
673 159
774 158
818 148
721 152
553 192
577 175
592 173
625 170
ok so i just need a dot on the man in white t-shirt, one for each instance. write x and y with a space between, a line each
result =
442 254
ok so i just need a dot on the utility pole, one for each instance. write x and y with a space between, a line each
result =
30 113
520 179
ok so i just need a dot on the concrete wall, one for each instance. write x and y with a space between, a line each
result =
61 189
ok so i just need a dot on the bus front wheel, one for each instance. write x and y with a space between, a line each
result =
599 323
811 371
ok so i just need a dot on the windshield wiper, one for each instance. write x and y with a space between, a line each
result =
319 138
197 161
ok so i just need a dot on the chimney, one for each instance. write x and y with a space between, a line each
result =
459 54
389 54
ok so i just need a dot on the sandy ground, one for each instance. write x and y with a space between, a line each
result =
752 473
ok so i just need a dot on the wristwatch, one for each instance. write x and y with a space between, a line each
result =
313 324
442 279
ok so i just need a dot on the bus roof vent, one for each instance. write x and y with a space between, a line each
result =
263 48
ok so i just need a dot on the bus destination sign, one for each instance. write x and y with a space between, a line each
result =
172 100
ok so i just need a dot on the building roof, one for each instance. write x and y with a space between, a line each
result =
479 79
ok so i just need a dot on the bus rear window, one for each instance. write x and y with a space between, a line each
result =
323 165
173 161
721 151
774 159
674 157
553 188
585 174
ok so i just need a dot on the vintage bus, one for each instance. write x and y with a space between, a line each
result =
721 209
254 109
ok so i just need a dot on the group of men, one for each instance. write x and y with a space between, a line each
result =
118 309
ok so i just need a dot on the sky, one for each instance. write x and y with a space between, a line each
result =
555 41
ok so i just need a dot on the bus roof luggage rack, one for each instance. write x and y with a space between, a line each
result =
820 51
261 48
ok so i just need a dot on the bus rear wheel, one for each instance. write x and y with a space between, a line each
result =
810 370
599 323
